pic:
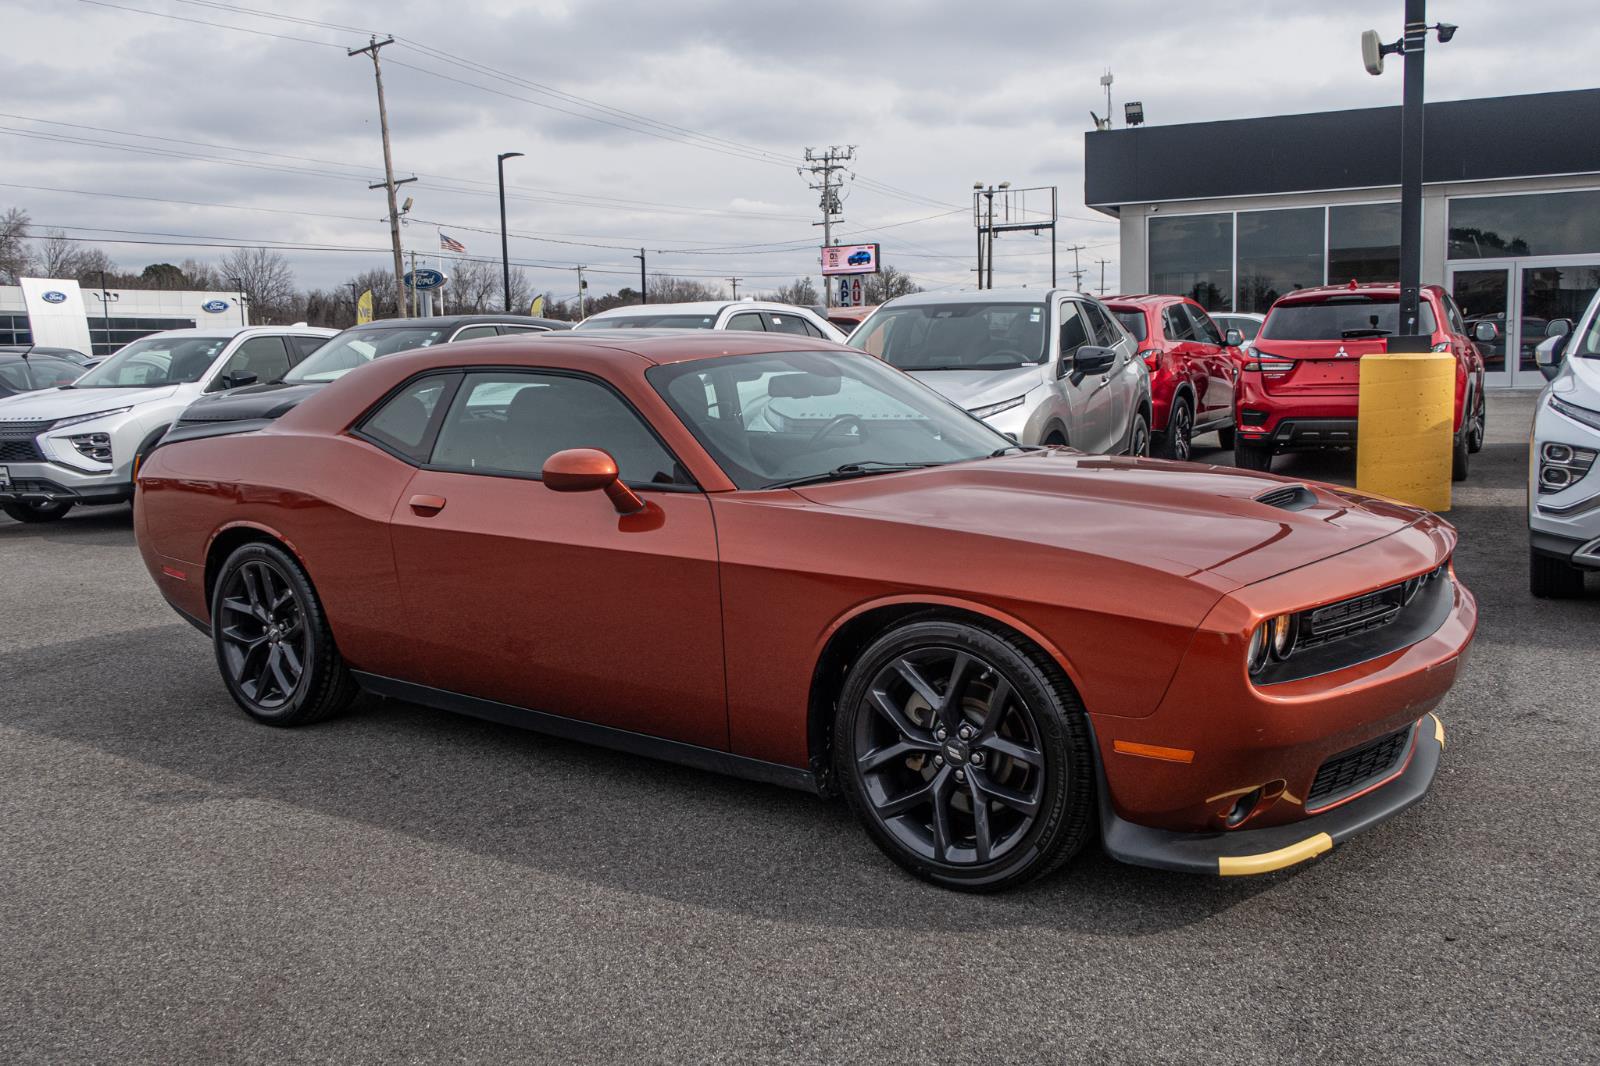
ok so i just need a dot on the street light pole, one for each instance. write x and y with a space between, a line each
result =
505 254
1416 37
644 292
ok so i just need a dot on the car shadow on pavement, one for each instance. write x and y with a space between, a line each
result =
93 525
565 809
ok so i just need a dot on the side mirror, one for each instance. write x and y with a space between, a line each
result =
1558 327
1233 338
1548 355
1486 332
239 379
1092 359
590 470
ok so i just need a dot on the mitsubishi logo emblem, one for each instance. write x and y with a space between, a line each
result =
1341 353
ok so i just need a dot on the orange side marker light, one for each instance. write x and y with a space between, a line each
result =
1154 751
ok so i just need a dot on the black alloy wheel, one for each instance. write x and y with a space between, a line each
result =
966 755
1176 442
1139 436
272 640
34 512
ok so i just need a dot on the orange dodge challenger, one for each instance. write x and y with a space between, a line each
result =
779 558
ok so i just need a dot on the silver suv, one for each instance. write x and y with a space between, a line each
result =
81 444
1046 366
1563 476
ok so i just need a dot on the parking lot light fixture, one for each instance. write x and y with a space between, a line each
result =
505 254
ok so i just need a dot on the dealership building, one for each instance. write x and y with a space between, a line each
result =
59 313
1236 213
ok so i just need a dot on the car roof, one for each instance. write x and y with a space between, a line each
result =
1147 299
1017 295
1321 293
697 307
620 349
452 321
19 349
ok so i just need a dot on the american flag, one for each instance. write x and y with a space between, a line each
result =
450 244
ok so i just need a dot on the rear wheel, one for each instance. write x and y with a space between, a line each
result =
1459 453
1226 437
36 511
1177 441
272 640
1251 456
1139 434
1478 428
965 754
1550 578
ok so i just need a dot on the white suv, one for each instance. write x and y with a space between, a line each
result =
81 444
1563 478
755 316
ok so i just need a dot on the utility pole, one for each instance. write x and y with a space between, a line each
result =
388 166
644 292
505 254
416 297
735 282
825 165
581 285
1077 271
1102 263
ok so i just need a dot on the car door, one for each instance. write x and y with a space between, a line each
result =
748 321
1124 376
1216 403
263 356
1086 398
550 600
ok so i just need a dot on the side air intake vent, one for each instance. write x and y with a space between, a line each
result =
1289 498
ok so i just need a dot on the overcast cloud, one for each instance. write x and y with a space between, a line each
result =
934 96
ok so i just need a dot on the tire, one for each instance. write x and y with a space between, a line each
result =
1028 755
1251 456
1550 578
1178 441
1226 437
265 618
35 513
1479 427
1459 452
1139 435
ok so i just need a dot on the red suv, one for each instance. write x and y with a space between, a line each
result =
1302 375
1193 366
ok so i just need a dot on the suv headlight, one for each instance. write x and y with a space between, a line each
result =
1576 413
62 423
996 408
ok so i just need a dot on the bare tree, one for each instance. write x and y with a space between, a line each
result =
886 285
669 290
57 256
801 293
13 245
267 282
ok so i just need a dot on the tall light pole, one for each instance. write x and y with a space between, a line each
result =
1412 47
644 291
505 254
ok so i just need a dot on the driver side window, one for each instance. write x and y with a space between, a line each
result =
265 357
1074 329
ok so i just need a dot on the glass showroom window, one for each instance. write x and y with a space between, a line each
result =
1497 227
1363 243
1192 255
1279 251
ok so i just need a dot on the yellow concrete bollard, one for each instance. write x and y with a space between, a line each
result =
1404 440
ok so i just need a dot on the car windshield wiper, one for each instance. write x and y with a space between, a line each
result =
849 470
1364 333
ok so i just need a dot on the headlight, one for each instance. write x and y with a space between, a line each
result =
1576 413
61 423
996 408
1272 641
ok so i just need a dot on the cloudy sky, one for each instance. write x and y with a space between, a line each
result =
672 126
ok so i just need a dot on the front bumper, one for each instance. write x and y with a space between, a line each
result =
1259 851
53 482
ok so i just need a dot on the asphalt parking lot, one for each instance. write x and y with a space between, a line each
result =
178 884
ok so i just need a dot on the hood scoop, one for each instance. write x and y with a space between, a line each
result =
1289 498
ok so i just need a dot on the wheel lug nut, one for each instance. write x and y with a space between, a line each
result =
961 775
977 758
966 732
938 760
940 734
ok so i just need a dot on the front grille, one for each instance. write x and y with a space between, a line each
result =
20 451
1343 775
1360 614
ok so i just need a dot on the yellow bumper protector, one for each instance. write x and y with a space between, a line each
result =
1438 729
1267 861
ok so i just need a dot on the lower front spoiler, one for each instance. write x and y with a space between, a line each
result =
1259 851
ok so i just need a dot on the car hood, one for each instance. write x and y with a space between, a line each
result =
249 402
65 403
1580 383
980 388
1184 518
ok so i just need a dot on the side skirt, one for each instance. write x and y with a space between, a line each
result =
604 736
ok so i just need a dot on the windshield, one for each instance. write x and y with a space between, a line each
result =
355 348
956 336
1590 348
155 361
1339 318
1133 322
649 321
769 419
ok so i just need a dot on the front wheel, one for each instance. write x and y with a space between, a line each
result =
1251 456
272 640
36 511
965 755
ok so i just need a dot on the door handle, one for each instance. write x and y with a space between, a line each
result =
426 506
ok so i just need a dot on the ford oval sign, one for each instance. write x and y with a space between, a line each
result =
215 307
424 278
53 297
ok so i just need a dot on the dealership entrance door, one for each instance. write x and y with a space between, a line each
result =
1520 297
